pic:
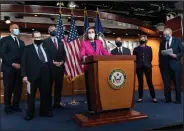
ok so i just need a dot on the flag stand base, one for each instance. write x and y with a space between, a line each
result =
73 102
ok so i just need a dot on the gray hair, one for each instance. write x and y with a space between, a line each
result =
169 29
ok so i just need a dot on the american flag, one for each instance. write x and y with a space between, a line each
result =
73 68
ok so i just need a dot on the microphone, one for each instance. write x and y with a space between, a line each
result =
111 43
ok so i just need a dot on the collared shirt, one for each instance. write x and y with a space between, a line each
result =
14 39
121 49
44 53
54 38
170 41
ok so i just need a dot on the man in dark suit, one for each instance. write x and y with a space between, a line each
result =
11 52
144 58
36 72
57 52
120 50
171 65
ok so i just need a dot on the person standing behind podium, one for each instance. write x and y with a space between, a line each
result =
171 65
120 50
11 49
144 58
36 70
91 47
57 52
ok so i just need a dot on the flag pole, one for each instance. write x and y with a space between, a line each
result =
73 101
102 35
60 4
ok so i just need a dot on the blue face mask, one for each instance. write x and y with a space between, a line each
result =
53 33
167 37
16 31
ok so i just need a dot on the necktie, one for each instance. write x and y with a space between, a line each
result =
167 44
119 50
16 41
40 54
55 43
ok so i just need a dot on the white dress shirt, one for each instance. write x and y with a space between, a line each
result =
121 49
170 41
44 53
55 40
14 39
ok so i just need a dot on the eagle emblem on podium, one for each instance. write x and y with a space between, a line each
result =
117 79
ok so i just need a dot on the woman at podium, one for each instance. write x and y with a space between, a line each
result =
143 66
91 47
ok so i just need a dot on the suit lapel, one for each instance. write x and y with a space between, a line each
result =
35 52
98 46
89 45
52 43
60 44
11 39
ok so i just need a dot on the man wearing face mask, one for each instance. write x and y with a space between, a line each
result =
11 51
144 58
36 70
171 65
120 50
57 52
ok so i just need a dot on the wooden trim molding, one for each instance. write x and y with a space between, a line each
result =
45 10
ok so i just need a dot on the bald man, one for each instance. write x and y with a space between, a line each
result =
171 65
11 51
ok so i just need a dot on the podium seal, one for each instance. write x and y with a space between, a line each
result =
117 79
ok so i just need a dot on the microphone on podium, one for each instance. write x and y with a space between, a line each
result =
111 43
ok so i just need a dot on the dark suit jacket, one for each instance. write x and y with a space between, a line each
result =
166 62
126 51
31 63
10 52
144 56
56 54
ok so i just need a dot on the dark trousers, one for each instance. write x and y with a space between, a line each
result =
148 74
175 75
87 90
58 78
43 83
12 85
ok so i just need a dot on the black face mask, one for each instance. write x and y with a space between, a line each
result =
118 44
38 42
142 42
53 33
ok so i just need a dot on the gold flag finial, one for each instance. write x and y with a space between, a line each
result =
97 11
60 4
85 12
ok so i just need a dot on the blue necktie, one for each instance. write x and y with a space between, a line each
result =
40 53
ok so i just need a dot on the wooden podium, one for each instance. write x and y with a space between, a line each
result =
112 87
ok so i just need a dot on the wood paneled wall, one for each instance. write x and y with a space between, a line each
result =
80 88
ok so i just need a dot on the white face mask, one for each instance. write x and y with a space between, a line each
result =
16 31
91 36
